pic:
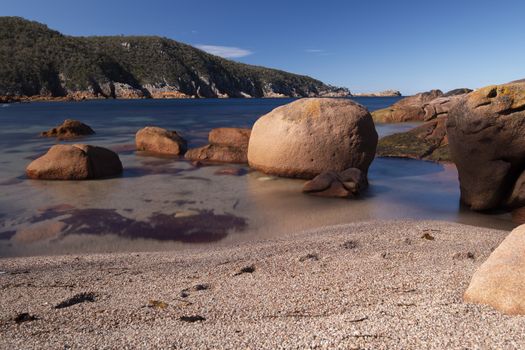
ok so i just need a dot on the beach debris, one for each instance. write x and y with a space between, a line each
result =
427 234
246 269
350 244
463 256
157 304
198 287
360 319
24 317
310 256
77 299
192 319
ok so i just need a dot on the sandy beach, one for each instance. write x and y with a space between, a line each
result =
371 285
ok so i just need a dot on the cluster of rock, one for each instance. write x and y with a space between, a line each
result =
330 140
424 106
428 141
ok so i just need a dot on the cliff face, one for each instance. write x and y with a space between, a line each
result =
40 63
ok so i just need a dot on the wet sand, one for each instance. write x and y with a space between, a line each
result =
371 285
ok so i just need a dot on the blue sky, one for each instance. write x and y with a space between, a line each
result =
366 45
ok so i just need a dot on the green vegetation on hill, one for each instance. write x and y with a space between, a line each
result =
35 60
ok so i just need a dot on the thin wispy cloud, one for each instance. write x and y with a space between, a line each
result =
319 52
225 51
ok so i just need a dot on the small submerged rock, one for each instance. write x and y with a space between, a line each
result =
75 162
69 129
157 140
231 171
345 184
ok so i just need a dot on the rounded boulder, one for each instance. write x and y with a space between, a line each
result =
309 136
157 140
75 162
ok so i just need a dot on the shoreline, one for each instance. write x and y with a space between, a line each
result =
376 284
17 100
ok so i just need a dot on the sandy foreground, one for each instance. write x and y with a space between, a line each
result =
372 285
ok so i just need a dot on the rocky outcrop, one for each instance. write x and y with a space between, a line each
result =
310 136
75 162
386 93
345 184
69 129
157 140
9 99
486 132
500 281
421 107
428 141
456 92
227 145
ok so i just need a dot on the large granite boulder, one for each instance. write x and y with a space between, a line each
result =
75 162
424 106
345 184
157 140
227 145
69 129
500 281
309 136
486 132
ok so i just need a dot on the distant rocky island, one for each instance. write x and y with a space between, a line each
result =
386 93
37 63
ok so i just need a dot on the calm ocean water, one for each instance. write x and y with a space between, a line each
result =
165 203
